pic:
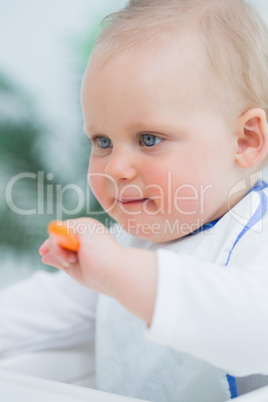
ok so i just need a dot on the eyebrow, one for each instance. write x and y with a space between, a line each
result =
88 129
140 126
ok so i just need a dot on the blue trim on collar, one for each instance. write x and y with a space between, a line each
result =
259 186
256 217
232 386
205 227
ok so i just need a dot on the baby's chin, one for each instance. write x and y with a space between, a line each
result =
158 229
155 235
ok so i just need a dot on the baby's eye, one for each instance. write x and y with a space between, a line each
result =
149 140
103 142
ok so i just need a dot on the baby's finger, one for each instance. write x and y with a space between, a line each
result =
70 267
49 260
60 254
44 247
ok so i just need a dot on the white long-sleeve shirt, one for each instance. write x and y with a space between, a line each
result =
209 318
219 285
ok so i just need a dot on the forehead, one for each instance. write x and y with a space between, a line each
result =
151 78
149 60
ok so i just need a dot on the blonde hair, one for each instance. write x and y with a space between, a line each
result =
232 33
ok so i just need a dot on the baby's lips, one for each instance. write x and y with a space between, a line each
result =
64 236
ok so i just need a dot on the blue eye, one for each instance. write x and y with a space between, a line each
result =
149 140
104 142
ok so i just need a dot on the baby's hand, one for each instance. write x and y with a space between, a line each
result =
97 252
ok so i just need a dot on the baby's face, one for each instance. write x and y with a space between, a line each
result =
162 160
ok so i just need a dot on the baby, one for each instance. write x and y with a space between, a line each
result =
175 104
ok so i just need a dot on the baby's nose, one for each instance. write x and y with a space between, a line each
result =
121 166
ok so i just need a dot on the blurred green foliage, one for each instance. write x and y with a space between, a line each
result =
22 135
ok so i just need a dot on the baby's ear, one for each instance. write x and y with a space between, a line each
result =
252 138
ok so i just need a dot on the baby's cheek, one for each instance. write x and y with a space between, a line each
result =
103 191
175 190
96 184
95 178
155 175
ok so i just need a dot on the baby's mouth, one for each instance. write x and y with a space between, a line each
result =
130 200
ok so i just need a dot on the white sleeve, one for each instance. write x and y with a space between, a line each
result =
45 311
218 314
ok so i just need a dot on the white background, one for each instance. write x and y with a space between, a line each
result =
35 47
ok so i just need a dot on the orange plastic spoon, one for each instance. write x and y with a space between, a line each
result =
64 236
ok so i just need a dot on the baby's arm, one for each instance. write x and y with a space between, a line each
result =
215 313
101 263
